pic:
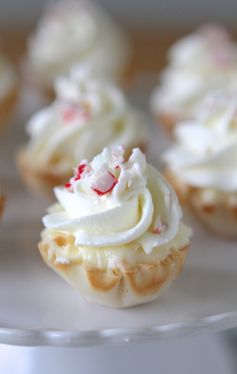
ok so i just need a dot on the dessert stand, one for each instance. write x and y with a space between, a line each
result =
37 308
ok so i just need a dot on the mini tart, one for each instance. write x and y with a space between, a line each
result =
87 114
111 261
217 210
125 285
198 63
89 36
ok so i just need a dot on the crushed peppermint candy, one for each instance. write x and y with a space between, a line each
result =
100 175
71 113
79 171
160 228
104 183
77 174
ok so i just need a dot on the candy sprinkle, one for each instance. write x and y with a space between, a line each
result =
104 183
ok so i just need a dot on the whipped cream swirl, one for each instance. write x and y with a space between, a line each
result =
203 61
112 201
205 151
87 115
74 32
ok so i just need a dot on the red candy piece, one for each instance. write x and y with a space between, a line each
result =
105 183
160 229
80 170
70 114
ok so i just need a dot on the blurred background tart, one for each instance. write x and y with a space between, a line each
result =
202 163
74 32
203 61
87 114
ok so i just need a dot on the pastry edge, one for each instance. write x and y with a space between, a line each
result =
218 215
118 287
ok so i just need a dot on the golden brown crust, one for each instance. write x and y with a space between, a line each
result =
39 179
122 286
6 106
102 279
219 213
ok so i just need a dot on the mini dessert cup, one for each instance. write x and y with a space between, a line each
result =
88 36
198 63
111 261
201 165
87 114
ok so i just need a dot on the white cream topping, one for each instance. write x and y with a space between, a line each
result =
111 202
205 152
203 61
122 256
87 114
75 32
7 77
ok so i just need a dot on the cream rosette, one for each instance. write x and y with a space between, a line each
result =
75 32
116 233
202 162
87 114
203 61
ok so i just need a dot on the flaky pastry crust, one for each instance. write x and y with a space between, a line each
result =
118 287
217 214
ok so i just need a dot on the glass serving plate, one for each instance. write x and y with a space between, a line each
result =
38 308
